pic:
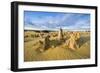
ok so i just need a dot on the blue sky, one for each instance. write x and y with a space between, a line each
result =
55 20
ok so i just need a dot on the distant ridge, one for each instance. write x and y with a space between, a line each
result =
48 30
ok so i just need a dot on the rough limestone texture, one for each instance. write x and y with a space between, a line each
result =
46 42
60 35
72 41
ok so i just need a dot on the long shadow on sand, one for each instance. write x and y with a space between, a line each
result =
83 40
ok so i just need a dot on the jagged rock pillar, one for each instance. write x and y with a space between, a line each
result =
60 34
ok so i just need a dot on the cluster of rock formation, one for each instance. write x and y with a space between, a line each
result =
71 42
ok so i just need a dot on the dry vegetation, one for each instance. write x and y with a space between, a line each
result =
56 50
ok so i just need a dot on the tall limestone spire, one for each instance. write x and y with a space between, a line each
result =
60 34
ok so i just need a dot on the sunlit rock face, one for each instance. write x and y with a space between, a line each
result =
60 34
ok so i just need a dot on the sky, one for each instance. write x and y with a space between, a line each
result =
34 20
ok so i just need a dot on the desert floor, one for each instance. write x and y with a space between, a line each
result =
56 50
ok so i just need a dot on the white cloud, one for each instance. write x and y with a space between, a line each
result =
66 21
